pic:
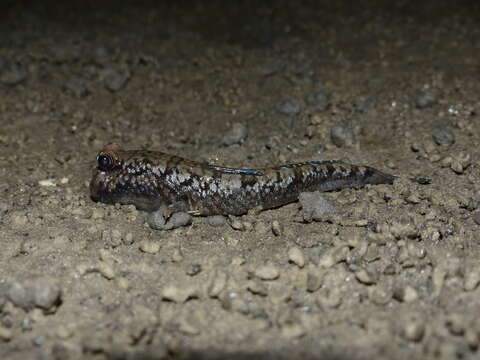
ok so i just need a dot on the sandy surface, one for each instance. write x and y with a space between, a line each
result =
393 273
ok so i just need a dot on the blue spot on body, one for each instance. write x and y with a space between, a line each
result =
249 172
289 166
239 171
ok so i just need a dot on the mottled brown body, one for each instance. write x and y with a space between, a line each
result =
150 180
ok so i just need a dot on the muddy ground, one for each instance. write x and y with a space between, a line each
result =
392 272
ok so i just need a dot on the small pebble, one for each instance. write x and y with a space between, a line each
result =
128 239
416 250
116 238
455 323
367 105
101 54
319 100
379 295
472 338
292 331
316 206
423 180
443 136
46 293
177 294
42 292
156 220
238 261
217 220
47 183
21 295
342 136
177 220
194 269
262 228
409 294
236 224
18 219
5 334
177 255
217 283
187 327
438 279
149 247
332 298
26 324
425 99
334 256
232 301
38 340
258 288
460 162
267 272
314 281
471 279
115 80
289 107
106 270
365 277
247 226
296 256
237 134
413 327
277 228
76 87
13 74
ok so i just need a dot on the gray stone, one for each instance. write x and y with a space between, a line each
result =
289 107
342 136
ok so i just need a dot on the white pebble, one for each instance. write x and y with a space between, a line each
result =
267 272
149 247
295 255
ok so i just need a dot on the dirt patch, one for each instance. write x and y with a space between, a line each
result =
385 271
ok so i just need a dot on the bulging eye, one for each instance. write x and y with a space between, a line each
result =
105 162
